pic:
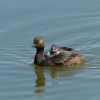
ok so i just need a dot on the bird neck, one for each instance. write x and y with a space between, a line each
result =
39 55
40 51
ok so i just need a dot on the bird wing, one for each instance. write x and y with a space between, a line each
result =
64 56
66 48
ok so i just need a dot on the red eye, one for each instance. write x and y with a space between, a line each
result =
38 42
54 49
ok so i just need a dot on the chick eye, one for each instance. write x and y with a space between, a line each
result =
38 42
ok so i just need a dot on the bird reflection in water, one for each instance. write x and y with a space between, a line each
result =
40 81
54 72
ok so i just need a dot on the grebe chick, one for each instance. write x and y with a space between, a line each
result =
55 50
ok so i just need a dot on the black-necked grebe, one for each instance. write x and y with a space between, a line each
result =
64 57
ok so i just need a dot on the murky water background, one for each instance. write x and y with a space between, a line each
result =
73 23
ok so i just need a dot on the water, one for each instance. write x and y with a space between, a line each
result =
73 23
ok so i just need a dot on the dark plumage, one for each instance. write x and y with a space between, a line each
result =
65 56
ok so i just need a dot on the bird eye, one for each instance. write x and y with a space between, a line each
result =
38 42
